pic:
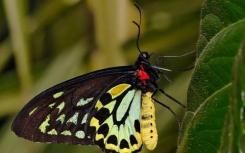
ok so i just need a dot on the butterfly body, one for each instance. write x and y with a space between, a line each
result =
106 107
148 125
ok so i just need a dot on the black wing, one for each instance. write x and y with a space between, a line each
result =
57 113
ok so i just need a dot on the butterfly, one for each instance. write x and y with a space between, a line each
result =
112 108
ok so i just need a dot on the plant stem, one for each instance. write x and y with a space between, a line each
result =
16 21
106 17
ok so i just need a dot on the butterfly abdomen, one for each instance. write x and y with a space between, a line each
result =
148 125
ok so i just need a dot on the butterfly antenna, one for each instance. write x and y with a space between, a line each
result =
179 56
138 26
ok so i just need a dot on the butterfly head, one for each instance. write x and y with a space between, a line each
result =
143 58
145 55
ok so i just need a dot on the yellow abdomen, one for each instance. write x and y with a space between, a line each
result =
148 125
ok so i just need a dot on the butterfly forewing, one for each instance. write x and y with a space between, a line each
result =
63 113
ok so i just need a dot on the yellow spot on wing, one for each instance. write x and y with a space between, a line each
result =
61 118
98 136
110 146
66 133
94 122
44 124
118 90
58 94
31 112
52 132
125 150
98 105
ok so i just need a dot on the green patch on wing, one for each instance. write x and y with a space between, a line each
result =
58 94
73 119
31 112
44 124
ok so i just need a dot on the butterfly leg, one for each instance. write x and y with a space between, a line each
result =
172 98
170 110
166 77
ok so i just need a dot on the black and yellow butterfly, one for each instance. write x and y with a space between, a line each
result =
112 108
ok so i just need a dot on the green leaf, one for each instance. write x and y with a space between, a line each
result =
216 15
205 131
206 121
238 99
213 68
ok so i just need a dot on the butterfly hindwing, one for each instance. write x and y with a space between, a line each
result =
117 119
63 113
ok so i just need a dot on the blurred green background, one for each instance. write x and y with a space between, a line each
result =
45 42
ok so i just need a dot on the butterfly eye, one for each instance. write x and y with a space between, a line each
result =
145 55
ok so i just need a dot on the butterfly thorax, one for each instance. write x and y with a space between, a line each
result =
146 74
142 75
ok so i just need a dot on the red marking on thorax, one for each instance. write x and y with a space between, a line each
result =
142 75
